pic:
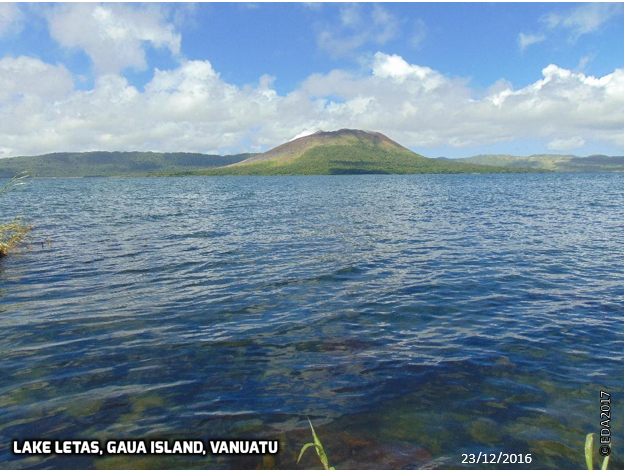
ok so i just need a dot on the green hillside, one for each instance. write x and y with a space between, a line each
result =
346 152
111 164
553 162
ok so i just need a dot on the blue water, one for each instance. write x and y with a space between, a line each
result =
412 318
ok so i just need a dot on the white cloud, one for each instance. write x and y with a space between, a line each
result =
397 69
249 5
418 34
315 6
385 25
11 19
357 28
304 133
351 15
529 39
21 78
191 108
583 19
114 35
566 144
583 62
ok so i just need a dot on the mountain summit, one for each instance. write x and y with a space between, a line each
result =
346 151
343 137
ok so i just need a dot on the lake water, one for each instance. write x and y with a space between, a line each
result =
412 318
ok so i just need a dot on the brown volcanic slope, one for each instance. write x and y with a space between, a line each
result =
347 151
295 148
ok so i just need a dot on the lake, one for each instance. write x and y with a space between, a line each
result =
412 318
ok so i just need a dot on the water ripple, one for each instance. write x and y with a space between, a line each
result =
402 312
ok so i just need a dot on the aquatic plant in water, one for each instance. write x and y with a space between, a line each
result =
316 443
13 234
590 439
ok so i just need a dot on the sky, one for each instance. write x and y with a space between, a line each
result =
443 79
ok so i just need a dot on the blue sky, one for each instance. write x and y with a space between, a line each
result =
443 79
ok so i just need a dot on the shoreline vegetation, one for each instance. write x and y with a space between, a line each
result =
343 152
321 453
13 234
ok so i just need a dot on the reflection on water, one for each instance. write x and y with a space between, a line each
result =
413 318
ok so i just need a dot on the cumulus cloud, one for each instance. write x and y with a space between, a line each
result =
21 78
113 35
11 19
357 28
191 108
